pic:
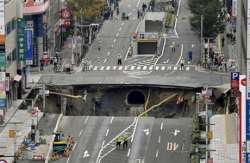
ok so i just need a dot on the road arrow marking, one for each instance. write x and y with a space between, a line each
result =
146 131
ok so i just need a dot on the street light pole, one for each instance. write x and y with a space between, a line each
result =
202 57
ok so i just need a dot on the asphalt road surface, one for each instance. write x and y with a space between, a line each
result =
150 139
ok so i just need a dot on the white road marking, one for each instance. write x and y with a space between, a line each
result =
114 40
157 67
74 146
180 55
111 120
175 67
86 120
112 45
126 67
138 68
138 3
108 53
133 135
105 60
132 67
169 68
103 143
159 139
157 153
117 34
161 125
144 67
151 67
128 152
108 68
114 67
95 68
102 68
162 68
172 146
120 29
107 132
120 67
176 19
80 133
187 68
86 154
162 52
68 160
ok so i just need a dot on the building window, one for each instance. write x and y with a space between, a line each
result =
14 55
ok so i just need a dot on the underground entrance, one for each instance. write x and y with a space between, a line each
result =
135 97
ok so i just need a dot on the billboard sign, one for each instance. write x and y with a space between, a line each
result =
2 27
20 38
234 8
235 77
29 47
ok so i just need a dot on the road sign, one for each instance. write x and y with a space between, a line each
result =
235 77
12 133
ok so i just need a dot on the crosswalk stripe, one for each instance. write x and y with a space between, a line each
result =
162 68
151 67
132 67
138 67
120 67
102 68
95 68
157 67
144 67
126 67
108 68
114 67
188 68
169 68
175 67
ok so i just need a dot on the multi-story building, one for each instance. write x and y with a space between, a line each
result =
42 18
13 66
241 35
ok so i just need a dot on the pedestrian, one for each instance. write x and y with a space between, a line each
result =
117 11
222 41
111 14
41 64
119 61
118 142
138 14
125 141
182 63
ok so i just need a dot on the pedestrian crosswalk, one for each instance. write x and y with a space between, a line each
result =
142 68
141 61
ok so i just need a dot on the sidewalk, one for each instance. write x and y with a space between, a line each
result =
7 144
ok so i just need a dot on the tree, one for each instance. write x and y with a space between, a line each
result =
91 8
213 19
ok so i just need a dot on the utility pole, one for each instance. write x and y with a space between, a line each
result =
82 33
202 57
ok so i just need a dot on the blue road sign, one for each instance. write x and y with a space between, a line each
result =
235 76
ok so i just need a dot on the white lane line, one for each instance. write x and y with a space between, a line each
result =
111 120
187 68
108 67
103 142
162 52
180 55
105 60
132 137
114 40
112 45
86 120
128 152
138 3
74 146
117 34
68 160
80 133
108 53
120 28
161 125
157 153
159 139
175 67
107 132
176 19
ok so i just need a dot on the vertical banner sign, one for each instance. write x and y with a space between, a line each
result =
248 87
2 90
29 47
234 8
235 77
20 39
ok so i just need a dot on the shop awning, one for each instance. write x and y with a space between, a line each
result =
17 78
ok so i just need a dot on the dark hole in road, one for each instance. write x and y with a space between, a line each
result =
135 97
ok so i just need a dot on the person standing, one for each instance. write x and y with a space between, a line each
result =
118 142
125 141
119 61
182 63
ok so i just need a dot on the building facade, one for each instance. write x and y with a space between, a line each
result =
14 80
241 35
